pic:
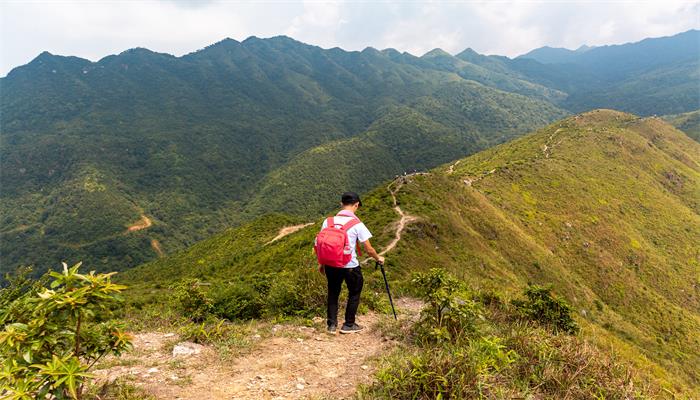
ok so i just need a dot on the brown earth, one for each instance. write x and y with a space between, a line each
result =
284 362
143 223
288 230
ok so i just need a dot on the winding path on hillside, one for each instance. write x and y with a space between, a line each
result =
403 217
143 223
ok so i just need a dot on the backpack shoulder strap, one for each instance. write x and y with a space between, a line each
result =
350 224
329 222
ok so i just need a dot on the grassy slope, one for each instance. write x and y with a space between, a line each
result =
610 217
687 122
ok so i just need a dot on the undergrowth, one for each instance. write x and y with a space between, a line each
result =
476 345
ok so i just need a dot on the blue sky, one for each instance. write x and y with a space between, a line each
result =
95 29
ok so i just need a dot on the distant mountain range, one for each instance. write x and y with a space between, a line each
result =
194 144
555 55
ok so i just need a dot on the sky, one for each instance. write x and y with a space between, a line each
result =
95 29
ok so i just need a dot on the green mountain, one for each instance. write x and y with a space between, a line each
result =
555 55
196 143
603 205
687 122
117 161
653 76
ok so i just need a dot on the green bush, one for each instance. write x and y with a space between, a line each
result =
52 336
443 372
191 300
450 313
18 285
237 301
542 307
299 292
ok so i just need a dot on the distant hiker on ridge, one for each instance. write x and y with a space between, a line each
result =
335 248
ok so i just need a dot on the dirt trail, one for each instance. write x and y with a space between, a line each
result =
287 230
547 146
286 362
155 245
404 218
143 223
470 181
451 169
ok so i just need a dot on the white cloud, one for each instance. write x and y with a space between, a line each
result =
95 29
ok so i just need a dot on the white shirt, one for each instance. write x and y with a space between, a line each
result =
359 232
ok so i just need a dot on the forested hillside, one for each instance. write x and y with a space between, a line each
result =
118 161
601 205
90 148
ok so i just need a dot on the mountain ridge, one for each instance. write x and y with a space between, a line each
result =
601 205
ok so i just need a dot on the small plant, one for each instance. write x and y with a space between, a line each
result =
53 336
546 309
449 313
192 300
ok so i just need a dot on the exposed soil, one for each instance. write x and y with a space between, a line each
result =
143 223
155 244
285 362
404 218
288 230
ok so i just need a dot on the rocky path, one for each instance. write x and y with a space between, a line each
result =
284 362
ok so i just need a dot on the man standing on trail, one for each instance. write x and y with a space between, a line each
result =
336 249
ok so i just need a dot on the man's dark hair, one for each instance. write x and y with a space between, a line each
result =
349 198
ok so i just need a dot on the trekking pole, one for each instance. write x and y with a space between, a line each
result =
386 283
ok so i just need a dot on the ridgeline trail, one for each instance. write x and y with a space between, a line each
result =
277 362
404 218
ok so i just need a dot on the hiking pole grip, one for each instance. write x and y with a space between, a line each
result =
386 284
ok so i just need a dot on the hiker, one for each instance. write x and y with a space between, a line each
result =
337 250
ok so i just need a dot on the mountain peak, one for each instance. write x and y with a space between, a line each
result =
436 52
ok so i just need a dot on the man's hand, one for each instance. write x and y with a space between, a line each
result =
372 253
322 269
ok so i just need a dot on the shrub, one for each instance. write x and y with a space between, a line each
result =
237 301
443 372
191 300
449 312
18 285
542 307
52 337
300 292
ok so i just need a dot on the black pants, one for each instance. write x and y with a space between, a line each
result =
353 279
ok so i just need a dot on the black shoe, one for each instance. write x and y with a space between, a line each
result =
332 328
352 328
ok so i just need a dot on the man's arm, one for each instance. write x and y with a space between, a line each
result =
372 252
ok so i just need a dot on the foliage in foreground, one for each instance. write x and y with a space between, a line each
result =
53 335
477 346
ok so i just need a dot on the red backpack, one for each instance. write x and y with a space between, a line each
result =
332 246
